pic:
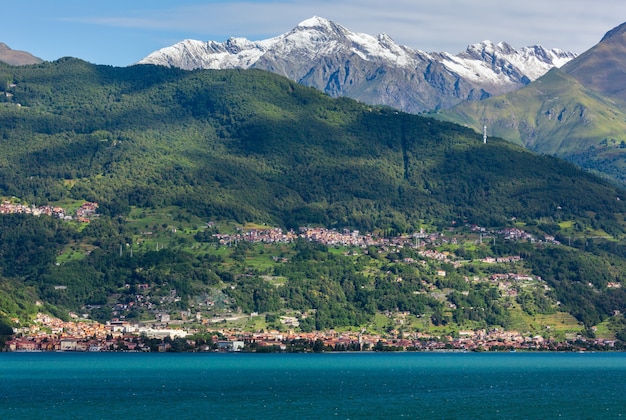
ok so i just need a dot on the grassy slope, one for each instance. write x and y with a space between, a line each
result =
555 115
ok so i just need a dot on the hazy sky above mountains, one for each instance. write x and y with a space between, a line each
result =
122 32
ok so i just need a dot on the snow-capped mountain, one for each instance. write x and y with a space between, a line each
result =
501 64
375 70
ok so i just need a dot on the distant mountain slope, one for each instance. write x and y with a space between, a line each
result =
576 112
374 70
603 67
17 58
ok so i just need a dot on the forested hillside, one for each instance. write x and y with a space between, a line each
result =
252 146
164 151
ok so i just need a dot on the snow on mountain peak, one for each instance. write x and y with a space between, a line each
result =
317 36
317 49
491 63
317 27
315 22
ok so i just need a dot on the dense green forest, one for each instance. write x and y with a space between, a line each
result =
252 147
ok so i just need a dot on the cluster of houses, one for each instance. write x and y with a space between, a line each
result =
321 235
345 237
83 214
342 238
47 210
266 236
332 237
515 234
52 334
86 211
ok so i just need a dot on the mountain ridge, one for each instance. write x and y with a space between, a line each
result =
373 69
601 68
577 112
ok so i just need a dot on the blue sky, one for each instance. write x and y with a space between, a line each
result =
120 33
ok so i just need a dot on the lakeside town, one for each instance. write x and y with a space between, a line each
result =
52 334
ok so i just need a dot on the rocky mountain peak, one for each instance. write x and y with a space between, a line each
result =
373 69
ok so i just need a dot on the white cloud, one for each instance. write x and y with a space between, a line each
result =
444 25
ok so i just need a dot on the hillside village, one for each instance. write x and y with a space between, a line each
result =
82 334
83 214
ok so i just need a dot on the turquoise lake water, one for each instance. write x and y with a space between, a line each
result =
307 386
